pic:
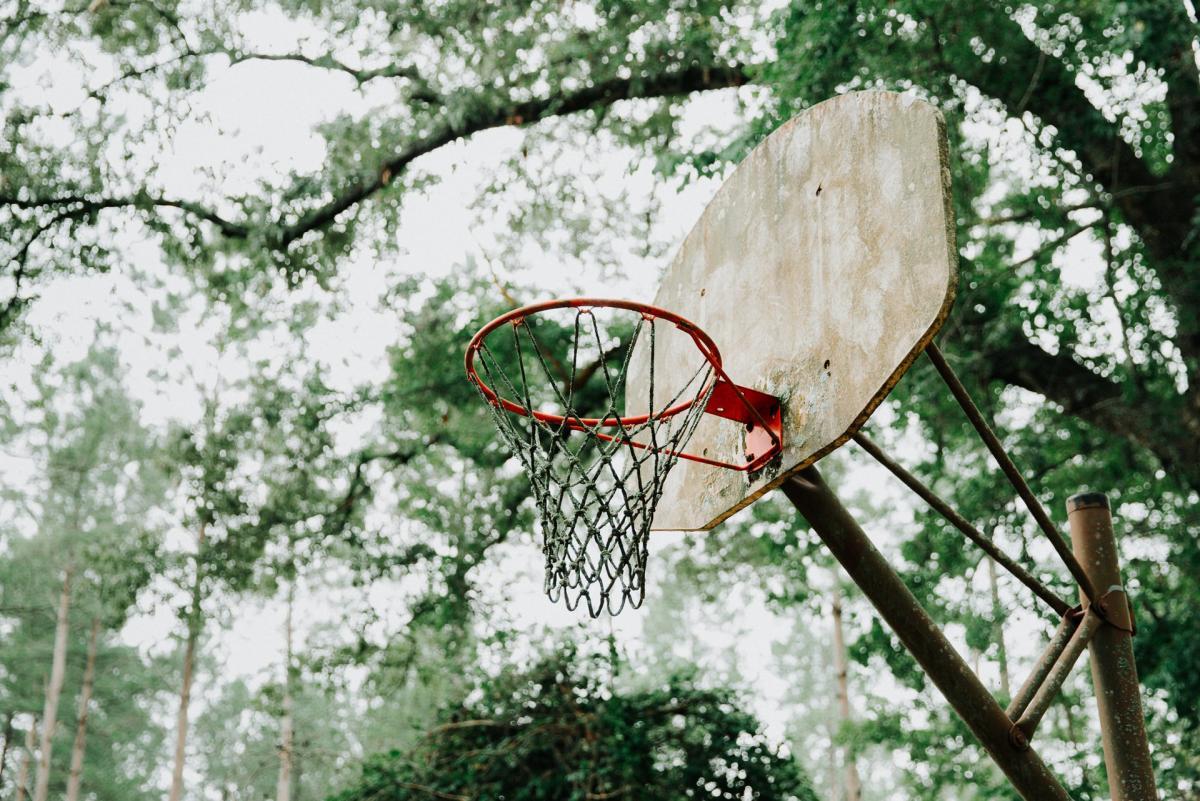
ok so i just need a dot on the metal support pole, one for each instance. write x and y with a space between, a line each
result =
1009 469
1058 642
958 521
1045 694
1114 674
920 635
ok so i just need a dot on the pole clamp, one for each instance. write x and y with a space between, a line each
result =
1100 607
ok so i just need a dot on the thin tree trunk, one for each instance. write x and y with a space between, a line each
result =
833 768
23 770
998 628
85 700
189 659
297 770
283 789
1072 735
853 785
58 673
8 735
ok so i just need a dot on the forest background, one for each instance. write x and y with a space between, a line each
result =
257 538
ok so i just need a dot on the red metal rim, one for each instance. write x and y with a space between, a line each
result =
704 344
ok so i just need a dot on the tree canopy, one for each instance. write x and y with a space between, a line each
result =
384 498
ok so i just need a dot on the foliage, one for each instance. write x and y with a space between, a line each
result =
1031 94
90 518
100 476
431 74
237 740
124 734
561 730
1075 142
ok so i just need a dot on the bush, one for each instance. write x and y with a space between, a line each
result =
557 732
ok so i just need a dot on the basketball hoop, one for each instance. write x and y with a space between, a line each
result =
598 473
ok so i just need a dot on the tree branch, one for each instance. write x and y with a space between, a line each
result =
1163 208
1168 44
1028 215
1098 401
21 261
82 204
1054 244
328 62
359 486
668 84
1058 101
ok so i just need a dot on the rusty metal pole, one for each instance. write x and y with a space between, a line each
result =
1047 693
1041 669
1114 674
959 522
920 635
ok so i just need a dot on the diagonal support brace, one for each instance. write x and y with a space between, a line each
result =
958 521
896 604
1047 691
1054 649
1010 471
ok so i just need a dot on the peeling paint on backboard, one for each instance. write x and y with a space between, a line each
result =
821 268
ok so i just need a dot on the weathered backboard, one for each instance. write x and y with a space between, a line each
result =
822 267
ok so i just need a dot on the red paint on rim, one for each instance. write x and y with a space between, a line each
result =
704 343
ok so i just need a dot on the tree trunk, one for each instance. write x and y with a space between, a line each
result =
85 699
850 769
283 789
1069 718
58 673
8 735
23 770
998 627
297 770
189 659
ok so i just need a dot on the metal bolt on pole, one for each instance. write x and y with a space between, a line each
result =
920 635
1114 674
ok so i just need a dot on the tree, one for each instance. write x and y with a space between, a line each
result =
93 544
257 469
1096 353
561 729
1134 180
1104 370
1073 126
113 752
75 780
237 742
450 72
853 785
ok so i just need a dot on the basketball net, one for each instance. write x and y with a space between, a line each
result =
596 479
